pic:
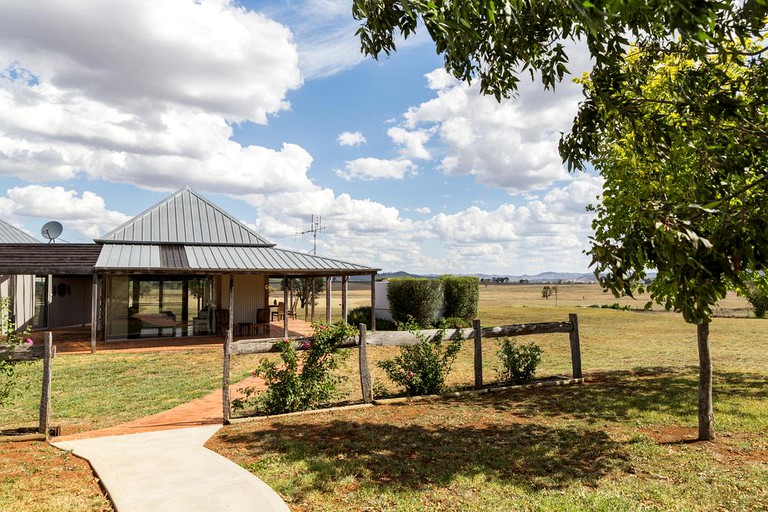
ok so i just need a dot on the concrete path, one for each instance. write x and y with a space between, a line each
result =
171 471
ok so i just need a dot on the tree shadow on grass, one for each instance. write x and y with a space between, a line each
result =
631 394
384 454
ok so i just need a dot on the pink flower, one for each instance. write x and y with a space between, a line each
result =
307 344
29 341
410 375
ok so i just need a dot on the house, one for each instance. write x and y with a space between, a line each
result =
184 267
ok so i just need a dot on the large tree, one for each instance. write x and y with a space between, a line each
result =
673 117
685 185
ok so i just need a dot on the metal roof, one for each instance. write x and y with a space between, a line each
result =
185 218
205 258
43 259
13 235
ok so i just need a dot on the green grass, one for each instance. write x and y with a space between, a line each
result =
620 442
616 444
108 388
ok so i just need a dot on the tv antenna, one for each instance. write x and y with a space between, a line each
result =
51 231
315 227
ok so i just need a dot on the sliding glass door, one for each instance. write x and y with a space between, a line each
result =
152 306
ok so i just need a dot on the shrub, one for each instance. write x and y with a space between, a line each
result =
362 315
12 339
453 323
759 301
416 299
422 369
296 385
460 296
519 362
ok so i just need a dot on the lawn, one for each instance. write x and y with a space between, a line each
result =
617 442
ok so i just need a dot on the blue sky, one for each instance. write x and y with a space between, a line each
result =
270 110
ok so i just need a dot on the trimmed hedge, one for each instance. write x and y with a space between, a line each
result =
460 296
415 298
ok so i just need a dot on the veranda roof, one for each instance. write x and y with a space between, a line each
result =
223 259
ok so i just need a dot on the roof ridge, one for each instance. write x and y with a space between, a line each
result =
113 236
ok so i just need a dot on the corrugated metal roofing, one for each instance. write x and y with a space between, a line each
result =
185 218
223 258
13 235
48 258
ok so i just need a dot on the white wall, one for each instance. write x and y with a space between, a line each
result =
24 303
250 295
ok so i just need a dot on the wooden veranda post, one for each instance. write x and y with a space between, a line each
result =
344 282
94 311
225 378
373 302
45 395
285 306
366 381
231 320
328 285
575 346
478 353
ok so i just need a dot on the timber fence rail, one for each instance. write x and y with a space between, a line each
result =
406 338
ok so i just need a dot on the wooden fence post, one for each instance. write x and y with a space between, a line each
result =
478 354
225 378
45 396
575 346
366 382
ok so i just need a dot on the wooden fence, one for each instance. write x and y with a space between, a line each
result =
404 338
46 352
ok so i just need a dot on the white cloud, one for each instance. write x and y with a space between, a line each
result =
376 168
541 233
423 210
411 142
86 213
147 97
511 145
351 139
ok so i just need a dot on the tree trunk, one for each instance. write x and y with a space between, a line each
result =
706 416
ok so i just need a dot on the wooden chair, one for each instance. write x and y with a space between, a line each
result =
280 311
292 312
262 320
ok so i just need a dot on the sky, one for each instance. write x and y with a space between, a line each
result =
269 110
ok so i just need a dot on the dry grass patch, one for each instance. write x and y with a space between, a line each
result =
35 477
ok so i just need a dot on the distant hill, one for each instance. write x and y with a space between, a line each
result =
544 277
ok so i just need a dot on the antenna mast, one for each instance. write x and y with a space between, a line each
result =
315 227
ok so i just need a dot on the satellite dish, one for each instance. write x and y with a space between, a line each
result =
51 230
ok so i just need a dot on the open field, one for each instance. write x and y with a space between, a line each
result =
615 443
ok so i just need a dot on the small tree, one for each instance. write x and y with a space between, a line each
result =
306 289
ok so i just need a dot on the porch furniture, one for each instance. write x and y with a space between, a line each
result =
280 311
292 312
244 328
222 321
262 320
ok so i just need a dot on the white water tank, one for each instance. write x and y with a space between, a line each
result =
382 302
